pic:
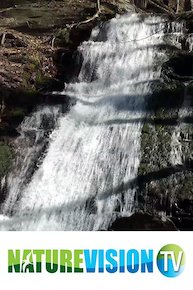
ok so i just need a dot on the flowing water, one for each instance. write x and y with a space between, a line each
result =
87 176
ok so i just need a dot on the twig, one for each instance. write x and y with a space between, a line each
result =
53 41
96 15
6 9
162 7
3 39
83 22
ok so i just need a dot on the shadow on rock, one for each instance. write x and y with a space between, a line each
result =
142 222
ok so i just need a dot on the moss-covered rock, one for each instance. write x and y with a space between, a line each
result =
190 89
163 185
6 156
63 37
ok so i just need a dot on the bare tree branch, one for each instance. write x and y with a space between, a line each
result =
99 6
96 15
53 41
6 9
162 7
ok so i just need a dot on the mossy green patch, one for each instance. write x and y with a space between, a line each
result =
63 37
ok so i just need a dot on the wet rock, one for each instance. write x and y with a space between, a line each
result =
170 187
142 222
182 211
13 117
167 94
68 63
180 66
183 224
5 158
190 89
55 98
7 130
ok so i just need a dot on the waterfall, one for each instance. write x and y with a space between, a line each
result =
87 175
29 146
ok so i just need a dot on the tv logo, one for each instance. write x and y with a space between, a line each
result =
171 260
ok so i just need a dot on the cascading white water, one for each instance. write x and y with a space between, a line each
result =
28 148
86 178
